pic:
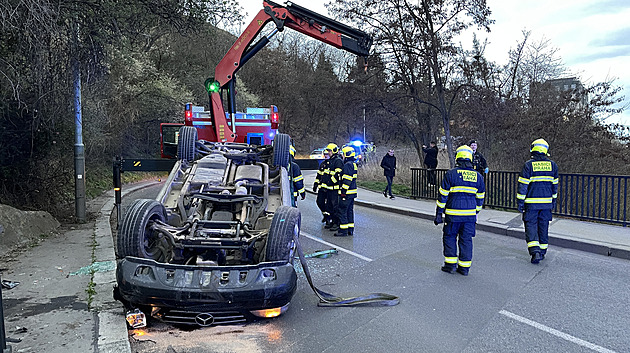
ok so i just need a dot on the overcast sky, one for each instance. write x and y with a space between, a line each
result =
592 36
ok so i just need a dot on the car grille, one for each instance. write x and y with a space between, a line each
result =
211 318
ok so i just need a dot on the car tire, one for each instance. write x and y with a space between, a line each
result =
281 152
135 237
285 224
186 149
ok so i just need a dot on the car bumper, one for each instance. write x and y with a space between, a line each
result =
203 289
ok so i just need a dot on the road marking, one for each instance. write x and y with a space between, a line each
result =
312 237
556 332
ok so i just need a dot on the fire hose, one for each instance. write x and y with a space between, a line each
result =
327 299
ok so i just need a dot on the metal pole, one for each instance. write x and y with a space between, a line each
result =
3 336
79 148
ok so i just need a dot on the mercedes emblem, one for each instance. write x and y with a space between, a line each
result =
204 319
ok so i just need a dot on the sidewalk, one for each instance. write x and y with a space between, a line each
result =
48 311
592 237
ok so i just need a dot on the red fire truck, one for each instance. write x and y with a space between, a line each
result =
256 126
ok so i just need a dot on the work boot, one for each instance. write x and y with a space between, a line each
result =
448 268
536 257
385 193
391 197
340 234
334 228
328 225
462 270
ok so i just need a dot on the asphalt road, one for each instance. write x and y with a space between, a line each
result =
572 302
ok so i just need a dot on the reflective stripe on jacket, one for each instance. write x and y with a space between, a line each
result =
538 183
461 194
349 179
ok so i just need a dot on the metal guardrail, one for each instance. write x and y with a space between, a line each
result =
602 198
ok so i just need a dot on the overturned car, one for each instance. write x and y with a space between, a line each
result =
216 246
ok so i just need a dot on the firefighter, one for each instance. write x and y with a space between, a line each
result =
297 178
536 197
347 193
320 188
461 197
335 166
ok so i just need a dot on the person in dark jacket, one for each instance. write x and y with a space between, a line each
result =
430 161
347 193
297 178
333 181
479 162
536 197
461 198
321 188
388 163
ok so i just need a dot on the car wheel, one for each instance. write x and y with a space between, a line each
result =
137 238
186 143
284 225
281 153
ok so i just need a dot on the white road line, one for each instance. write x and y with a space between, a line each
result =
556 332
312 237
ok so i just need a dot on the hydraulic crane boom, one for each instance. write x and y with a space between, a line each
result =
292 16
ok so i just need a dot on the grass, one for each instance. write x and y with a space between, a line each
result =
379 186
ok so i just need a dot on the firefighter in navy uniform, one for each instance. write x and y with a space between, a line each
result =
347 193
461 197
536 197
335 166
297 178
320 188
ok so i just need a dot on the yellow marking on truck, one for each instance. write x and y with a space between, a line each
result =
137 163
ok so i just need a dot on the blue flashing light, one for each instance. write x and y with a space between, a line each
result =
357 143
271 135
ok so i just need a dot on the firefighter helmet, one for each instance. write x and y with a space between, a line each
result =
292 150
464 152
332 147
347 151
540 146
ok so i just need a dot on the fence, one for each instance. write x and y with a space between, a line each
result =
602 198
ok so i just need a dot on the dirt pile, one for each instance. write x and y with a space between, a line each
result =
21 227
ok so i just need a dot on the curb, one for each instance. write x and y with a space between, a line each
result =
112 327
554 239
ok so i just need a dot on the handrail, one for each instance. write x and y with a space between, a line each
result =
594 197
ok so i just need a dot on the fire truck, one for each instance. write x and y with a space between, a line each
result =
216 246
258 125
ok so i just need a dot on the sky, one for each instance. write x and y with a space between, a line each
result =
592 36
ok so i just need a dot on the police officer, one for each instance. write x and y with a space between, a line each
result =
297 177
347 193
536 197
461 197
335 167
320 187
479 161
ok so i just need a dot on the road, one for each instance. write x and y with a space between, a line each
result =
572 302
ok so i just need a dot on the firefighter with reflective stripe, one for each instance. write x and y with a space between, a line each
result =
297 178
332 195
536 197
347 193
461 196
320 187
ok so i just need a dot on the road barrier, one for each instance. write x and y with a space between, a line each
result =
602 198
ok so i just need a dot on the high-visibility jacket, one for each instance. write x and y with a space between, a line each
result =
298 180
349 179
538 183
322 175
461 194
334 171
